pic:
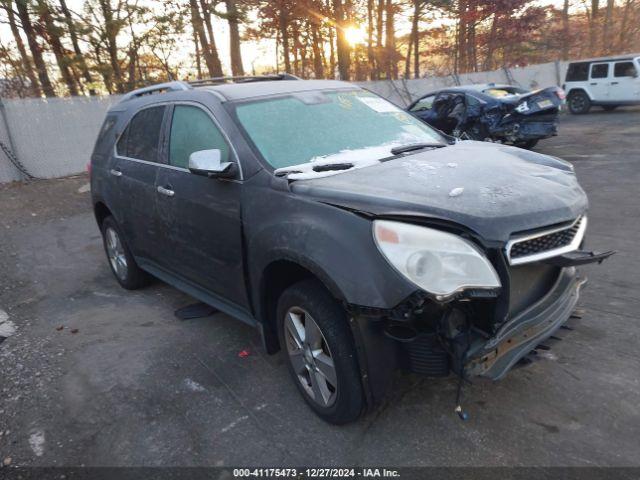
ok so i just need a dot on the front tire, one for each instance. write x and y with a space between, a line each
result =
121 261
321 354
579 103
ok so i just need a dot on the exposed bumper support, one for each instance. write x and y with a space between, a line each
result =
520 335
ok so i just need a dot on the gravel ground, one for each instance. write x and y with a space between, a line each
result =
91 374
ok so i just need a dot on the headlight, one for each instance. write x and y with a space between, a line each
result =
438 262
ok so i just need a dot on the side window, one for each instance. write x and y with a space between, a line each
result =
193 130
625 69
424 104
578 72
141 138
473 101
600 70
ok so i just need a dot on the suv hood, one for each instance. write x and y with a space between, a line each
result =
494 190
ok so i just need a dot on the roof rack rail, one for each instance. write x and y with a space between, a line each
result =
159 88
242 79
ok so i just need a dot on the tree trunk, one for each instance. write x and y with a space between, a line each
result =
407 60
593 25
390 42
76 46
214 69
237 68
316 45
622 37
344 52
491 43
370 27
36 52
461 44
283 23
566 40
26 61
53 33
606 32
111 30
417 11
332 53
213 50
197 54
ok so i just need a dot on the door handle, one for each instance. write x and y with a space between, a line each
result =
595 83
614 83
166 191
116 173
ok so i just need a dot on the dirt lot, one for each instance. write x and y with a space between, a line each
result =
95 375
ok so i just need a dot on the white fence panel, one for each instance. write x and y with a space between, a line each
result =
54 137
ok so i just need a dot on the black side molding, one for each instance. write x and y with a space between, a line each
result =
578 257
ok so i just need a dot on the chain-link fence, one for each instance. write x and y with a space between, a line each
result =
50 138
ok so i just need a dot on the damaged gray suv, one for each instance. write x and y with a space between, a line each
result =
356 238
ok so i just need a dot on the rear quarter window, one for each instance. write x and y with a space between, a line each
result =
624 69
578 72
106 135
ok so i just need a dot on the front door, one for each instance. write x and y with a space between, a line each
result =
599 82
625 84
134 172
200 216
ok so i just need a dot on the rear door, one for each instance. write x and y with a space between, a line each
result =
200 216
134 172
599 81
625 84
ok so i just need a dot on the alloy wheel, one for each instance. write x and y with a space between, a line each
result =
578 103
115 252
310 357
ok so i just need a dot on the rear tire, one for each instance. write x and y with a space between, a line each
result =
579 103
123 266
609 108
321 355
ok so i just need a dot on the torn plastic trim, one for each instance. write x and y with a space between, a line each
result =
522 333
579 257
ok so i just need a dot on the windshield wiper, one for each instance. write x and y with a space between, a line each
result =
323 167
415 146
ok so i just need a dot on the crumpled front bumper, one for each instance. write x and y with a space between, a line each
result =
521 334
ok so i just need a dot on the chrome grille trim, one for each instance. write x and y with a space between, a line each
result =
580 222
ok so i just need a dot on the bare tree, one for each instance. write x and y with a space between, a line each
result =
36 51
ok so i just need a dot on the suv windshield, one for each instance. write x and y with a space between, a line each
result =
350 125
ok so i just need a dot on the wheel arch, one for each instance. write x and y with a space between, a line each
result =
575 90
276 277
101 211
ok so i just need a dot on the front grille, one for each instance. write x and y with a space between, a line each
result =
550 242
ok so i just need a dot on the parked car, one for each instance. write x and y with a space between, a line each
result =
608 82
490 112
354 237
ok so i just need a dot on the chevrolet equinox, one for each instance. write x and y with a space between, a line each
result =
357 239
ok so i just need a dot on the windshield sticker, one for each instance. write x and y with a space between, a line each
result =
379 105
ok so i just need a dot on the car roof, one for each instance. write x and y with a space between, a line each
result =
249 90
616 58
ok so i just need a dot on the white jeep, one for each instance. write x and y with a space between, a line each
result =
608 82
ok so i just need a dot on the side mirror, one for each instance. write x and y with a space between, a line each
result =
207 162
